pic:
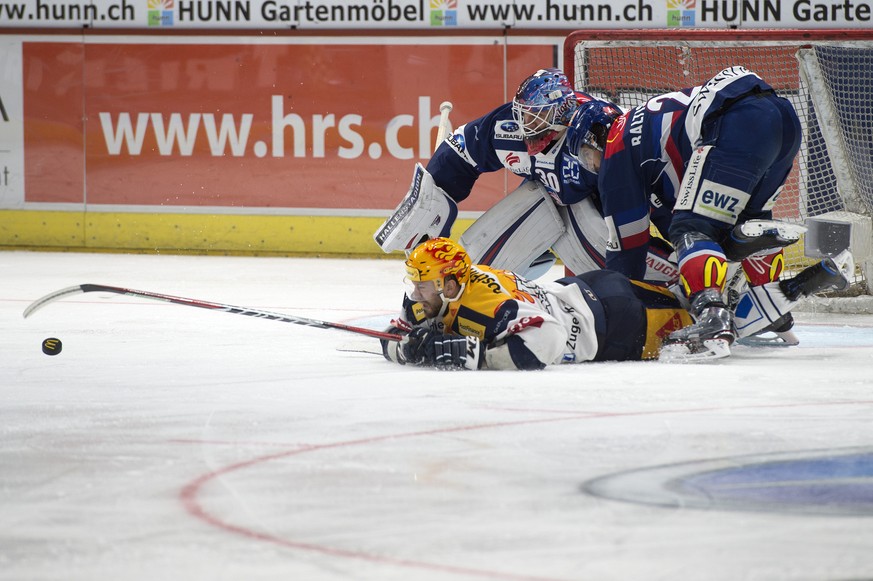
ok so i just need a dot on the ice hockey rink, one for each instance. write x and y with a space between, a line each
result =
175 443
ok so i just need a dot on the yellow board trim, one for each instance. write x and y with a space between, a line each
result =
224 234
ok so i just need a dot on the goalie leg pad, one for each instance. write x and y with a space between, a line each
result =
769 305
514 233
426 212
759 307
582 247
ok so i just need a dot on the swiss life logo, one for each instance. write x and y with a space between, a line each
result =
443 12
160 12
681 13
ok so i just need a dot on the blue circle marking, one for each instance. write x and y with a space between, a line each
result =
816 482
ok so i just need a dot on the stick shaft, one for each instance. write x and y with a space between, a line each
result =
444 128
249 312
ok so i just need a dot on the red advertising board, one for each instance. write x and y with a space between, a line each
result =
251 124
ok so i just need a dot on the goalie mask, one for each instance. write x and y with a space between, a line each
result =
589 127
542 106
431 265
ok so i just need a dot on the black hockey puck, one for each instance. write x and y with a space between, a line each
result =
52 346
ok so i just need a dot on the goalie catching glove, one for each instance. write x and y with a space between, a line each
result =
427 348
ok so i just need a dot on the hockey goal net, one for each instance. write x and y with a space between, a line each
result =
827 75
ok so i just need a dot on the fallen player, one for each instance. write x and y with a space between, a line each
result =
457 315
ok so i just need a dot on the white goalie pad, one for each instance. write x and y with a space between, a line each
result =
515 232
582 247
425 212
760 306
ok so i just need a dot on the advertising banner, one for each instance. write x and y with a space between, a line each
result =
11 126
445 15
251 126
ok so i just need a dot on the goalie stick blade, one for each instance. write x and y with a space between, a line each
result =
711 350
249 312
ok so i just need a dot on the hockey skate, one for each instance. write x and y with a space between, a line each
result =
755 236
710 337
828 274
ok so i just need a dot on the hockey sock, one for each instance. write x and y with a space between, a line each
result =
764 267
702 264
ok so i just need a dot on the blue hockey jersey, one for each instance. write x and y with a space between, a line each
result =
495 141
644 161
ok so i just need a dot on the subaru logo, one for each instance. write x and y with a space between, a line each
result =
509 126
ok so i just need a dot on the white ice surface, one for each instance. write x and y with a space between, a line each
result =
173 443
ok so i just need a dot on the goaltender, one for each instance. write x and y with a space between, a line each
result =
457 315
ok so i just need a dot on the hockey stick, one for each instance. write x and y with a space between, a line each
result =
444 127
90 288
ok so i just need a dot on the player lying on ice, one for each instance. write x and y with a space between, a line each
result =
458 315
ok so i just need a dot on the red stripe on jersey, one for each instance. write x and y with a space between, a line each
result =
615 138
672 150
524 324
635 240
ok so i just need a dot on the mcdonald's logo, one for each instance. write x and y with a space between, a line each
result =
714 272
776 266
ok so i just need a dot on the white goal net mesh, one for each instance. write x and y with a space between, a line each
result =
828 80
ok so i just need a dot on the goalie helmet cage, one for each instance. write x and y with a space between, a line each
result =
826 74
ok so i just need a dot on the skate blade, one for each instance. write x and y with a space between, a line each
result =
711 350
773 339
787 231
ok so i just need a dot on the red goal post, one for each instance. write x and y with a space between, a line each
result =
827 75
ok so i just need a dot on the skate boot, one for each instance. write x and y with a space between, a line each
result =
756 236
826 275
711 335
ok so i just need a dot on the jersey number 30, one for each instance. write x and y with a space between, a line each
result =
549 179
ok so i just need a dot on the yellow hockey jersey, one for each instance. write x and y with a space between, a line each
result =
523 324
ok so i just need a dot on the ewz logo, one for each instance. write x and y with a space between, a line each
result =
443 12
160 12
680 13
718 200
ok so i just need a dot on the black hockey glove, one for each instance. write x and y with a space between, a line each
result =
426 347
454 352
411 350
414 347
